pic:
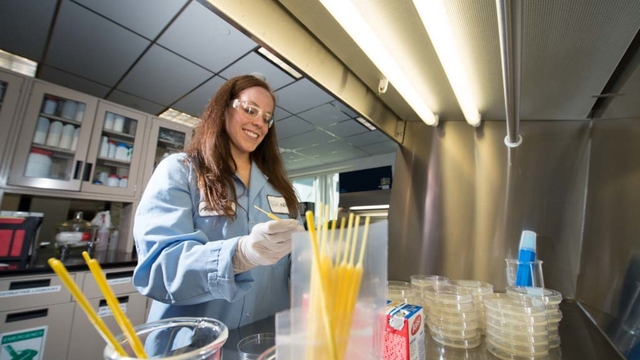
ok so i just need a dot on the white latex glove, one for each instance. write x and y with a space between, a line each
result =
267 243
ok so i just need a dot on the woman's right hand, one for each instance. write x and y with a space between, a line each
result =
267 243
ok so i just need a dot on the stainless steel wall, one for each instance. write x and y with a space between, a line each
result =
461 198
610 266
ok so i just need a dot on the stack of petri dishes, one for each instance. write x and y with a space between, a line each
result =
551 299
402 291
420 282
516 327
478 289
452 320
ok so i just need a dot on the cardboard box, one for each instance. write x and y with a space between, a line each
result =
404 332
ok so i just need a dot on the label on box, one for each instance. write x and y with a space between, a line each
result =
104 311
22 292
119 281
404 332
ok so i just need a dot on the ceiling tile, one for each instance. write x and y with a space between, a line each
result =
73 82
324 115
292 126
302 164
290 156
280 113
194 103
145 17
385 147
344 156
346 128
254 63
163 77
24 26
344 108
326 148
305 140
90 46
301 95
201 36
367 138
135 102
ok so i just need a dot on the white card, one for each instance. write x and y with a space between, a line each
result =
277 204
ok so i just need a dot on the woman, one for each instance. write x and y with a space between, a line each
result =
203 249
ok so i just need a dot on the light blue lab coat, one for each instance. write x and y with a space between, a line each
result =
185 253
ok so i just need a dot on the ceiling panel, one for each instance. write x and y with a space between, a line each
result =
290 156
326 148
135 102
338 156
292 126
384 147
73 82
254 63
367 138
302 164
570 49
91 46
162 76
194 103
301 95
345 109
305 140
324 115
346 128
145 17
24 26
203 37
280 113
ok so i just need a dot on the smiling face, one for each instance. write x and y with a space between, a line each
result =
245 132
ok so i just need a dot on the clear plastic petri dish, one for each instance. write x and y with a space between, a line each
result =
451 333
422 280
514 305
453 324
457 343
516 326
448 294
403 291
549 296
554 343
518 349
476 287
270 354
450 305
518 337
521 318
502 354
454 315
251 347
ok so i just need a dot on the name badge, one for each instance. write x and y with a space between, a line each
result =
204 210
277 204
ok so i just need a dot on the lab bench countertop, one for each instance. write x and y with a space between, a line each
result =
73 261
581 340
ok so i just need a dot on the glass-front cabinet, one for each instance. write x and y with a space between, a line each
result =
73 141
115 155
54 138
11 85
165 138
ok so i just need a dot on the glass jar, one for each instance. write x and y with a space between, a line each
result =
75 231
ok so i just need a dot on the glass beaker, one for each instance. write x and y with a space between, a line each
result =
525 273
184 338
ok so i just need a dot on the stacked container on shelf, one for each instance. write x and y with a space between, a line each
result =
452 320
551 299
420 283
478 289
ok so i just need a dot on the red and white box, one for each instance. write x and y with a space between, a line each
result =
404 332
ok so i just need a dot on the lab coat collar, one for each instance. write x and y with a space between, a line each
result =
257 181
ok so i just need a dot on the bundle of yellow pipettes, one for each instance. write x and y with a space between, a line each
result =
335 284
112 301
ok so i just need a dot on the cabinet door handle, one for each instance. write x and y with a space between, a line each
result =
78 170
121 300
27 315
119 274
87 172
31 284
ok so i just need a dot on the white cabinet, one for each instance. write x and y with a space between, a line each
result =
43 158
73 141
85 342
165 138
11 88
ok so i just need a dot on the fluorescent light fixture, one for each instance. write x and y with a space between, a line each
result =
18 64
276 60
369 207
180 117
365 123
435 20
355 25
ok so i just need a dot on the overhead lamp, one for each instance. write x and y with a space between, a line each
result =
369 207
179 117
18 64
281 64
365 123
435 20
355 25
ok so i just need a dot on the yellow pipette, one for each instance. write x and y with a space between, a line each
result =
270 215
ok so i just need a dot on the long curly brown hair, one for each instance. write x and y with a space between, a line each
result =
210 153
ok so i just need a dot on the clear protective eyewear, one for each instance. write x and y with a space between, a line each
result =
252 111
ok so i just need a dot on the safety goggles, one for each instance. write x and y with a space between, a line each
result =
252 111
